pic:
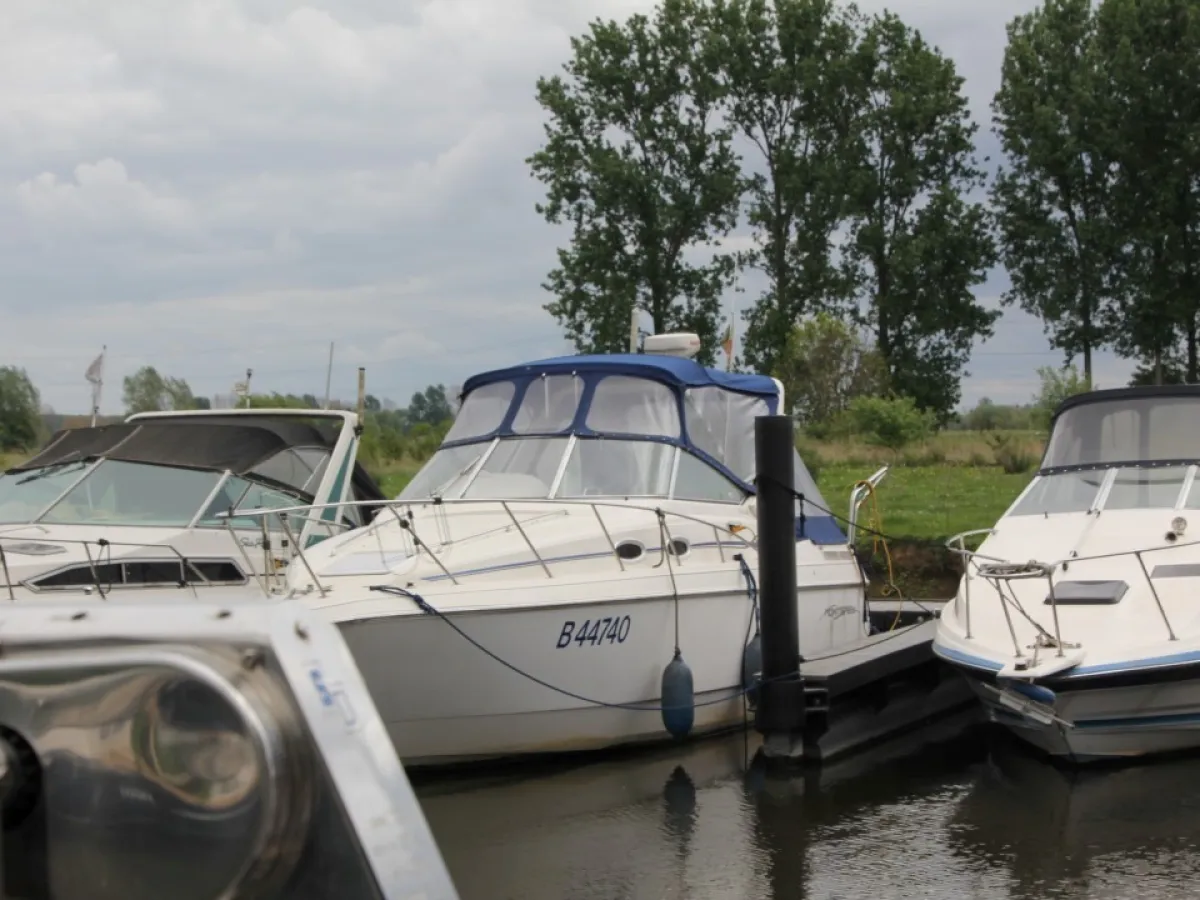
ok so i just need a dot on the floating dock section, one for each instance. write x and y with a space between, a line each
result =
809 712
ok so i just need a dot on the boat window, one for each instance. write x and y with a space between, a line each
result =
625 405
520 469
697 480
721 423
1146 488
25 495
299 468
445 473
238 493
615 468
126 493
549 404
1062 492
1145 429
482 411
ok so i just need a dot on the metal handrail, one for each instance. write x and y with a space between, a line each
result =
505 508
168 549
994 570
266 580
858 496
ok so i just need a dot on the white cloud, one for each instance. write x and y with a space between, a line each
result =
207 185
102 196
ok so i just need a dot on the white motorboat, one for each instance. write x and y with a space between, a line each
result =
1075 620
585 518
138 504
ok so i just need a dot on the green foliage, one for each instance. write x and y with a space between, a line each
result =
637 161
1056 386
430 407
1010 453
824 366
275 400
989 416
1170 371
1151 50
787 67
917 244
892 422
20 422
1054 200
148 391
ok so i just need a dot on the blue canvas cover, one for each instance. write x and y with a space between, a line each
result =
679 375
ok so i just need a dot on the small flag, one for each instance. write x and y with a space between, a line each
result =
727 341
93 373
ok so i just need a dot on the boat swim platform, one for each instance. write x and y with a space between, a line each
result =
872 691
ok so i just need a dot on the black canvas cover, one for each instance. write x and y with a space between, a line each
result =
216 443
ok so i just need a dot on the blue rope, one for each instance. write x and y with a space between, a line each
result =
751 588
426 607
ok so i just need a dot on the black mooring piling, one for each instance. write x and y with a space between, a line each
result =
779 717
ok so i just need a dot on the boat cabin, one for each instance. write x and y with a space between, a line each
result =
631 426
185 471
1120 449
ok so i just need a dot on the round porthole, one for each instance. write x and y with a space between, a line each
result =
630 550
679 547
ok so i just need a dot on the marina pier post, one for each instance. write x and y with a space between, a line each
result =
779 716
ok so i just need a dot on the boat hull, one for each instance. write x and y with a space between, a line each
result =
1137 718
445 700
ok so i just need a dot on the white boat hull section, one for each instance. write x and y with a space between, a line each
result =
594 628
1110 723
444 700
1122 686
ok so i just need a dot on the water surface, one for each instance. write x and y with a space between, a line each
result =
974 817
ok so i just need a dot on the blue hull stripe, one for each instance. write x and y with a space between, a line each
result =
1155 662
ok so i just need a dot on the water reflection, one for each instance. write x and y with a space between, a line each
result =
930 816
1099 834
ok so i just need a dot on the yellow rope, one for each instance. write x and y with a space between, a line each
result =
878 541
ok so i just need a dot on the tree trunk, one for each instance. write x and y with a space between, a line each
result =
1192 375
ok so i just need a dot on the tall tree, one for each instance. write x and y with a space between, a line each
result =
1053 199
825 365
19 405
787 68
918 243
1152 53
639 163
430 406
146 391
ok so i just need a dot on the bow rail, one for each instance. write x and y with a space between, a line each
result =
1001 572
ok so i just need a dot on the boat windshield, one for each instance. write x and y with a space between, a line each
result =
1140 429
1111 488
26 495
116 492
569 468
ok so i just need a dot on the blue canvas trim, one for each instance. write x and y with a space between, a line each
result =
670 370
820 530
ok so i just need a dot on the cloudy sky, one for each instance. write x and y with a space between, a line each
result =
208 186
